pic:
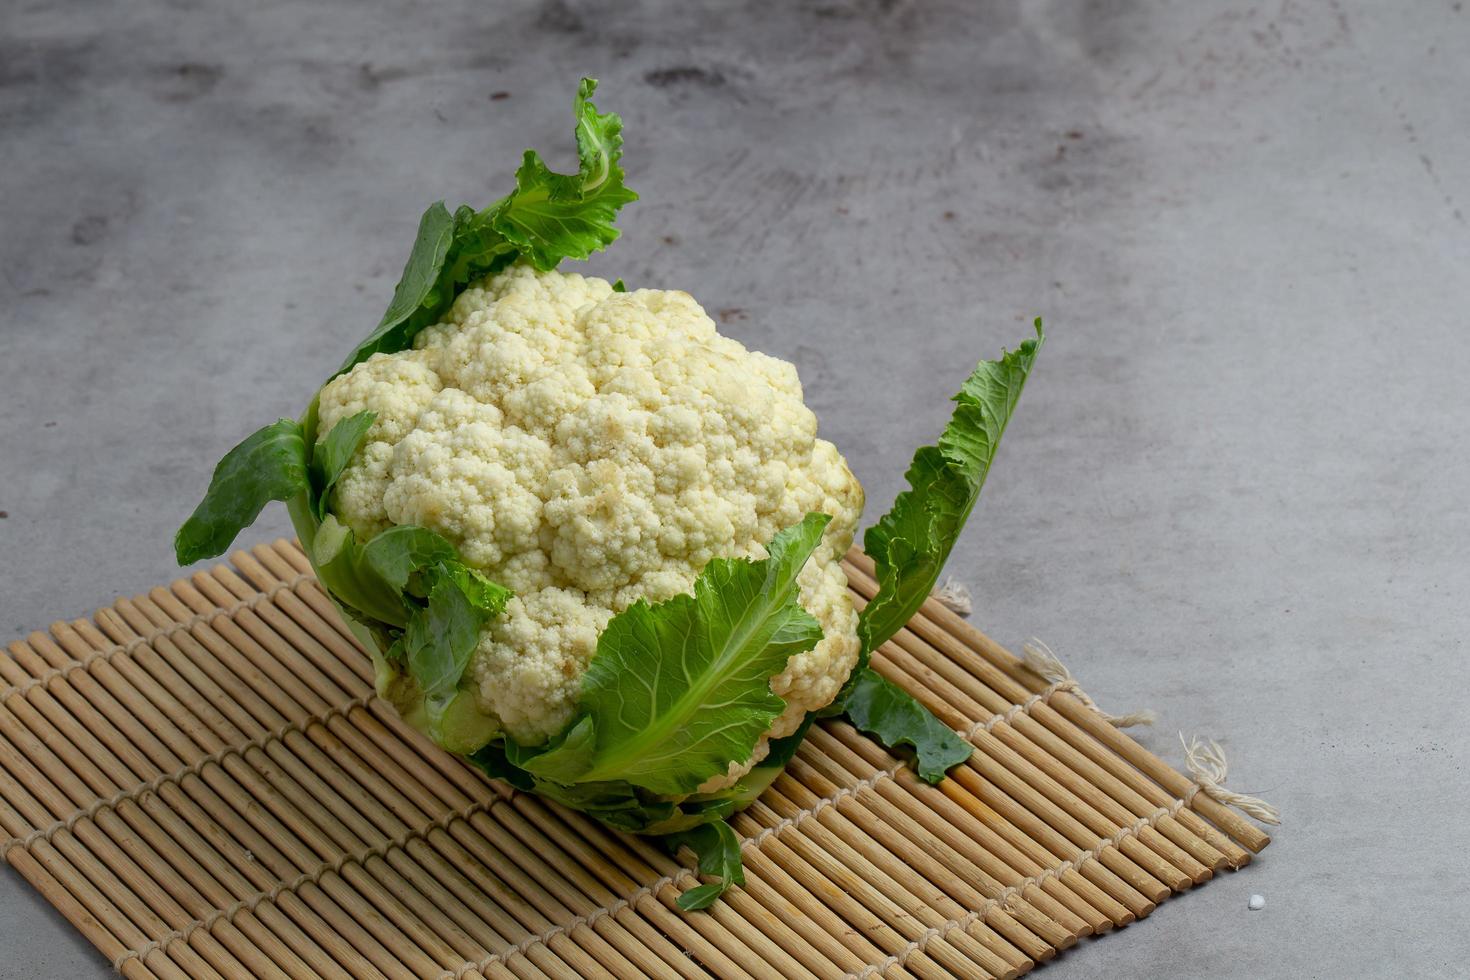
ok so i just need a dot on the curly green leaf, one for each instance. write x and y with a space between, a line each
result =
549 217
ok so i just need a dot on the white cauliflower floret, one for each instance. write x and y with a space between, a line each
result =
398 387
588 448
524 666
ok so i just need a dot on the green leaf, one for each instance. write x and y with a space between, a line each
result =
417 299
340 563
566 757
441 636
397 553
331 455
487 597
553 216
678 691
549 217
910 543
270 464
622 806
718 850
890 714
619 286
493 762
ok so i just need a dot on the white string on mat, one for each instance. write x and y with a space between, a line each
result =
123 649
1207 764
1205 759
1045 663
954 595
162 779
251 902
1041 660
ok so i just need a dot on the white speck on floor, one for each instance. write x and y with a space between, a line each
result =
1257 902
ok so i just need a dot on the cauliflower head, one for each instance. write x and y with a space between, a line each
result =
588 448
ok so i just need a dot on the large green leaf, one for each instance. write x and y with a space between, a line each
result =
911 542
678 691
270 464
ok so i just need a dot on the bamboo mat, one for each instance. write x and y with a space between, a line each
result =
202 783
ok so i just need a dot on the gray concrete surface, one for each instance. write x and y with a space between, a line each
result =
1235 491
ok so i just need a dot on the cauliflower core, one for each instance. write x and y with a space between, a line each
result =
588 448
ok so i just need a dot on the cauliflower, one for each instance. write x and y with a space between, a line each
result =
587 448
590 544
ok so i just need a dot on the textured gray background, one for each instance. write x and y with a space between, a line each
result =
1235 491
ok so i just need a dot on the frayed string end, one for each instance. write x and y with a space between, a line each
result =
1039 658
1206 762
954 595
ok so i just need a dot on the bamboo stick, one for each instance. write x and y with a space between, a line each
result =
38 768
1040 859
20 812
903 913
610 958
669 922
1104 815
263 758
137 849
76 912
1011 950
942 864
102 740
249 854
649 951
868 914
1023 932
617 884
162 760
653 898
235 780
971 846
